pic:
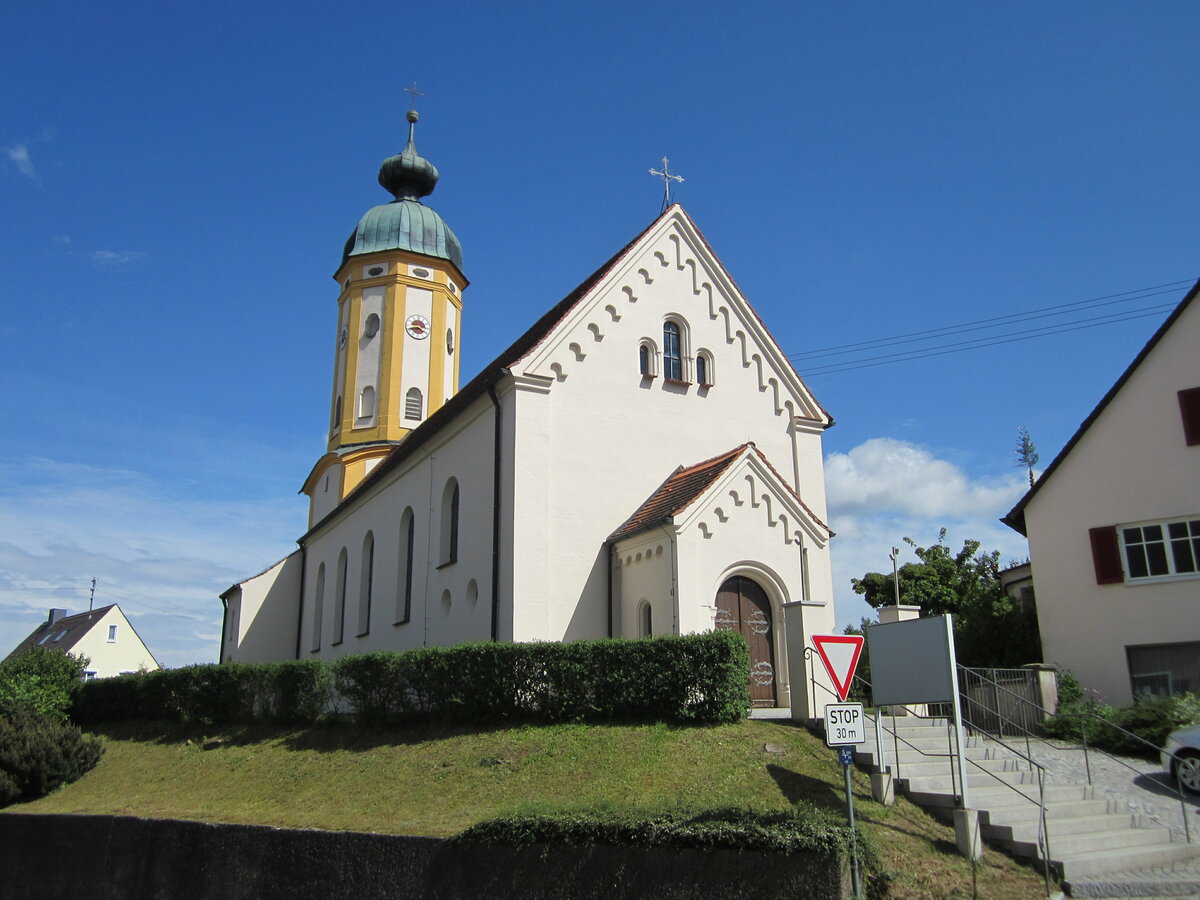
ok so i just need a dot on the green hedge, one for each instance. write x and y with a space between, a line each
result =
803 828
297 692
1151 719
694 678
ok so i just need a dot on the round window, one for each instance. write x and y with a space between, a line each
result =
372 326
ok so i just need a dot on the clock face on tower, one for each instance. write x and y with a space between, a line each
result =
342 337
417 327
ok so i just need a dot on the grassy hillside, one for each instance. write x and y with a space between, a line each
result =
438 781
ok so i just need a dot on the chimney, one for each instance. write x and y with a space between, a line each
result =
55 615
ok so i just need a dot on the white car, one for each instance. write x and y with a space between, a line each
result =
1181 757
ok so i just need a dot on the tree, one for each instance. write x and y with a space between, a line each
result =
1027 455
40 680
989 628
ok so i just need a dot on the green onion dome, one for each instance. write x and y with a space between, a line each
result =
405 223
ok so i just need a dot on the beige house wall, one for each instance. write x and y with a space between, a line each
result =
125 653
1131 465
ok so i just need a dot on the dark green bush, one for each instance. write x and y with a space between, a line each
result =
1117 730
1069 689
293 692
694 678
804 828
39 753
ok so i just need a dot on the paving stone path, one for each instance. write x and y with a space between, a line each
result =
1148 791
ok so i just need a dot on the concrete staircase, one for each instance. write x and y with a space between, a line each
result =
1087 837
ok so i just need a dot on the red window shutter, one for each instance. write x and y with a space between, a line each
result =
1189 408
1106 554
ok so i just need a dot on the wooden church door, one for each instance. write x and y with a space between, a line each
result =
742 605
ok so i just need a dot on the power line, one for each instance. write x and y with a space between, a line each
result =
995 321
962 346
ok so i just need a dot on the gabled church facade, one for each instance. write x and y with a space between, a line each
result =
643 460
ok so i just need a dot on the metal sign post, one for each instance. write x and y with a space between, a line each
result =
845 726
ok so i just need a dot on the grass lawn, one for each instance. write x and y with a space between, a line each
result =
437 781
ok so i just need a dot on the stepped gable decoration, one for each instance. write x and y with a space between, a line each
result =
839 653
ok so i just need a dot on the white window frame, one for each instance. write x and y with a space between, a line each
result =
112 634
1191 523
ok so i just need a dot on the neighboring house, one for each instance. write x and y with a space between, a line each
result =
1114 527
103 635
1017 583
643 460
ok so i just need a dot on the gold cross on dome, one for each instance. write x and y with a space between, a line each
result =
667 178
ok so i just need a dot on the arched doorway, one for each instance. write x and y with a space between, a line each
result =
742 605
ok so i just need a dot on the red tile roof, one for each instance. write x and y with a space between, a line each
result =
677 493
686 485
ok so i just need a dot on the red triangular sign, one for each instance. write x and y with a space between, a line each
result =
840 653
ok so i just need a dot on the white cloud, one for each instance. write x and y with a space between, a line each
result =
885 490
164 558
887 475
112 259
19 155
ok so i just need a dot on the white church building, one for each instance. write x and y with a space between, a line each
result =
643 460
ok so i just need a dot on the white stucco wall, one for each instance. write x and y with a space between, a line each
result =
126 653
463 452
261 614
1131 465
604 438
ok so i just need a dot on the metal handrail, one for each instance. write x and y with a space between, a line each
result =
1043 837
1083 735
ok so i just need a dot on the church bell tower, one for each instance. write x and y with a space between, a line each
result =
399 314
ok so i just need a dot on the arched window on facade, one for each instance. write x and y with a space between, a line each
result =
414 404
366 584
339 599
318 609
404 581
672 352
704 369
337 414
366 402
644 360
646 619
449 523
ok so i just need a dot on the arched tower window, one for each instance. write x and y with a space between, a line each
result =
366 402
646 619
339 599
366 583
704 369
414 404
405 569
644 360
672 351
449 523
318 609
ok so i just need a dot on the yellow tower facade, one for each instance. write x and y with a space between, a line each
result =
399 319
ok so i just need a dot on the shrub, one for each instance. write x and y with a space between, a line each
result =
39 753
41 680
1117 730
1069 689
694 678
293 692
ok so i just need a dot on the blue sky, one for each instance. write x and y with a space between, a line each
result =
177 181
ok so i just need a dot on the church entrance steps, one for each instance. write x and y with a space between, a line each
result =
770 712
1089 836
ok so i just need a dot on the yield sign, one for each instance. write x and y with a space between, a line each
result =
840 654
